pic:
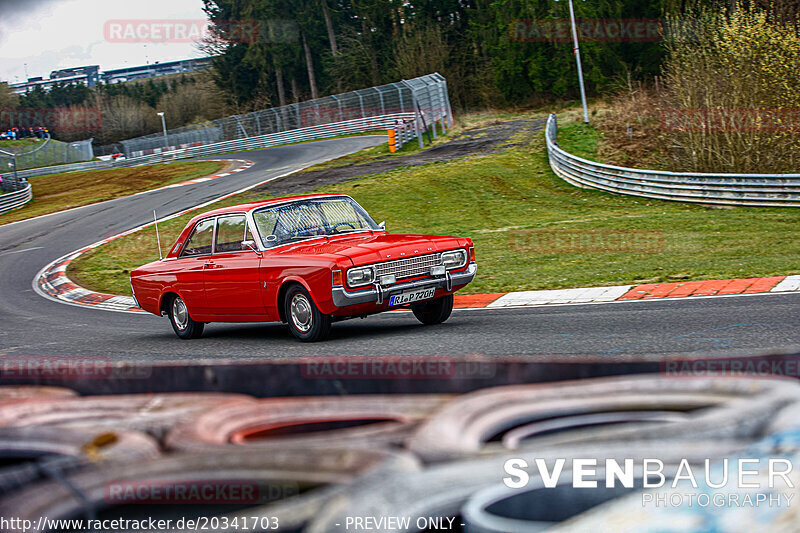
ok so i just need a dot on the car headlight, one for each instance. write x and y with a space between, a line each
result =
456 259
357 277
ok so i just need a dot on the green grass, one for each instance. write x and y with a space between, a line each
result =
20 142
491 198
56 192
30 157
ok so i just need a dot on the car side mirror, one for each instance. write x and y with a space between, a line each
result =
252 246
382 225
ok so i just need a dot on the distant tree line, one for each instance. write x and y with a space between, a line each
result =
111 113
481 46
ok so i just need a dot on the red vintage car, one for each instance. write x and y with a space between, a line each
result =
307 261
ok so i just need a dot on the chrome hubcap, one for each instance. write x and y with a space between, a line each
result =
301 312
180 314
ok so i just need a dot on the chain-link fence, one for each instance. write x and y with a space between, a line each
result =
426 97
52 153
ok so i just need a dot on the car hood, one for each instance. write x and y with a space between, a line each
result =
366 248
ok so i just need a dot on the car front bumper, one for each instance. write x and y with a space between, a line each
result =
374 294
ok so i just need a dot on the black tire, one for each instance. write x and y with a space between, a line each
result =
306 321
182 323
434 312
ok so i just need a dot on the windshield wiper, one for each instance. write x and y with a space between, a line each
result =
351 231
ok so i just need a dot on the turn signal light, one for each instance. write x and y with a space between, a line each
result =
471 254
337 278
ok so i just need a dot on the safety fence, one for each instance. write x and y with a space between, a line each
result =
425 97
761 190
415 108
313 463
53 153
22 194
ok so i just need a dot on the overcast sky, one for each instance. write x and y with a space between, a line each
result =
53 34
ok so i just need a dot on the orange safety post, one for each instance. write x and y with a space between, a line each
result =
392 141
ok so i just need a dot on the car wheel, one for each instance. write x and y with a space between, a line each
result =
306 321
183 324
434 312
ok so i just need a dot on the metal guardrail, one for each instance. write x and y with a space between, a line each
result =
16 199
759 190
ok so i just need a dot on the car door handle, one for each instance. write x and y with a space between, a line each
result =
210 264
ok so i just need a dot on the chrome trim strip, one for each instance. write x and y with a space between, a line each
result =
343 298
133 293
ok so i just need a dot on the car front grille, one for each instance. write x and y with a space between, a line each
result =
407 268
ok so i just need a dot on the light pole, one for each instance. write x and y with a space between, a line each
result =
164 125
578 60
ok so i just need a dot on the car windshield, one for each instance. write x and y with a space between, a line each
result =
306 219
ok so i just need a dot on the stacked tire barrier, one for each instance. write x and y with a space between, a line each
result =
313 463
759 190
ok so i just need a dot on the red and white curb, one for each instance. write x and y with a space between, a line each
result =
622 293
56 284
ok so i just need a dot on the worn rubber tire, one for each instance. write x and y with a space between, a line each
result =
192 330
320 326
10 393
281 473
731 408
231 422
66 449
434 312
151 413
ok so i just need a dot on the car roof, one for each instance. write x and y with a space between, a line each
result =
242 208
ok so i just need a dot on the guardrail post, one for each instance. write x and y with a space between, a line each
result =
380 96
339 105
400 95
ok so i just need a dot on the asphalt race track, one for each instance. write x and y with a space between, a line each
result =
31 325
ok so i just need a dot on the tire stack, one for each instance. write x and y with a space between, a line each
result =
318 460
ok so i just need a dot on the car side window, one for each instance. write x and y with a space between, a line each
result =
199 243
231 231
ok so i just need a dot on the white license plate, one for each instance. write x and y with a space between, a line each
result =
409 297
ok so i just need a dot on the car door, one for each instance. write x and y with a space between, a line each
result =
231 277
189 267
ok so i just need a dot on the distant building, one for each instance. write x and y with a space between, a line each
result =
88 76
155 70
91 75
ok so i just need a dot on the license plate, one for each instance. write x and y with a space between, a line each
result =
409 297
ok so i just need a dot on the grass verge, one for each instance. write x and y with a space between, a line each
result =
56 192
531 229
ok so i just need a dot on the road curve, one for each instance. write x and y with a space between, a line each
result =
35 326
